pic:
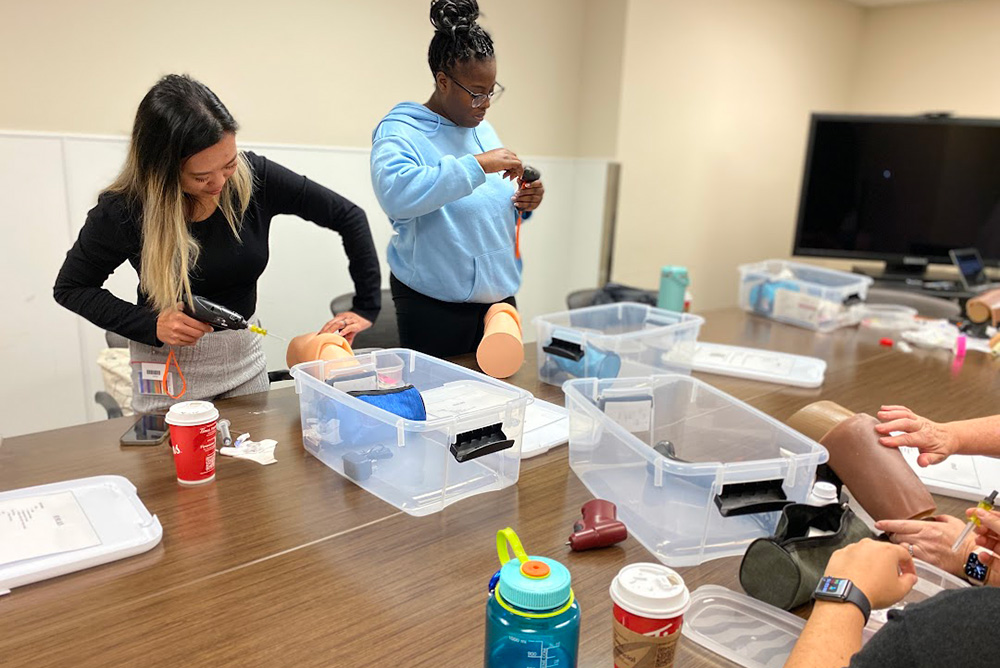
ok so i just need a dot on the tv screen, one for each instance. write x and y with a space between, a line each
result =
889 188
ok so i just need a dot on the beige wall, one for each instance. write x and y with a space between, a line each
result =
714 116
298 71
601 77
930 57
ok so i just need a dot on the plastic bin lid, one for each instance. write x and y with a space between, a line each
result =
757 635
103 518
741 629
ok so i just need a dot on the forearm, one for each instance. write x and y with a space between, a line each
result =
108 312
407 189
979 436
363 266
831 637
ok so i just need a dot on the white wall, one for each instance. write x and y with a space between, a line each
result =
49 182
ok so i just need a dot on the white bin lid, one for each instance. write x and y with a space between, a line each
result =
100 519
754 634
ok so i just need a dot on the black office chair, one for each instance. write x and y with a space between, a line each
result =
609 294
383 334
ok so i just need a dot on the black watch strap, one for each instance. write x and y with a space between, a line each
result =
842 590
857 597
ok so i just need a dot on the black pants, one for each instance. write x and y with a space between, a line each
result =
441 329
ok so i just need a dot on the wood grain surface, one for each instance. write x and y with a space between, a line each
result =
291 564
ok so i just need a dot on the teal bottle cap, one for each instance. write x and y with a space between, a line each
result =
536 585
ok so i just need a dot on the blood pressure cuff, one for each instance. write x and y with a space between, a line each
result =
405 401
784 569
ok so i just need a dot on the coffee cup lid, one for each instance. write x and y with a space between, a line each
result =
191 413
650 590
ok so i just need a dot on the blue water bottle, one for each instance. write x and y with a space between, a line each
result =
673 284
532 617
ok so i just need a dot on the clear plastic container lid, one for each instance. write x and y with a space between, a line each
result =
758 635
888 316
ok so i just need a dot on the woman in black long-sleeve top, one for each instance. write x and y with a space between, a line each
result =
192 215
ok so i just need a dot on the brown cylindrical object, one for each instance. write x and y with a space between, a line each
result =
312 346
501 352
819 417
878 477
984 307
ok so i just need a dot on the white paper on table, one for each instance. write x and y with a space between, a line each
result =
956 470
38 526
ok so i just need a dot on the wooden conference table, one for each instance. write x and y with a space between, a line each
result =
291 564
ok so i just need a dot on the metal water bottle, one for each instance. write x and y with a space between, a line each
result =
673 284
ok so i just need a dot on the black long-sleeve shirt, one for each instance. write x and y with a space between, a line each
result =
227 269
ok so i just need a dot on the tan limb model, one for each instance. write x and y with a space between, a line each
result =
878 477
819 417
985 307
501 352
317 346
937 440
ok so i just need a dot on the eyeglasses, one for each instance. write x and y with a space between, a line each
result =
479 99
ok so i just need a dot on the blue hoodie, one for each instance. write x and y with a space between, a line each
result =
454 224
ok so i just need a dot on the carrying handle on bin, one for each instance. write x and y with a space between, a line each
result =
851 300
565 349
478 442
748 498
660 321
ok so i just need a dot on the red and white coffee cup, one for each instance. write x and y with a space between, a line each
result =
192 438
649 605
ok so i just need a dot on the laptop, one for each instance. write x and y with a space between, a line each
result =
972 270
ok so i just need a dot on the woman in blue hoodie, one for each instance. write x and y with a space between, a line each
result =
448 186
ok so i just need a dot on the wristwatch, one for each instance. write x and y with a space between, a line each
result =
842 590
976 571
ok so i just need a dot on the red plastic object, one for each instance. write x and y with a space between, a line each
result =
885 341
600 527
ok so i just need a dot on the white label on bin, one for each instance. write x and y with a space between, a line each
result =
797 306
634 415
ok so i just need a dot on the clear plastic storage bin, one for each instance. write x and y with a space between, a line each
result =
695 473
803 295
469 444
612 340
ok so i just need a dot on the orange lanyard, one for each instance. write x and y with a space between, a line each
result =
517 231
166 371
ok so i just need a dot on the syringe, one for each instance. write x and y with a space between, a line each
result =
985 504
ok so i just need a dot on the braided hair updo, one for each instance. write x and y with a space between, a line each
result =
457 36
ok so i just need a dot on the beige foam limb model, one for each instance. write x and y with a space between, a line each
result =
985 307
501 352
878 477
819 417
312 346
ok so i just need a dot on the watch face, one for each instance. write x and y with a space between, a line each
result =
976 569
832 587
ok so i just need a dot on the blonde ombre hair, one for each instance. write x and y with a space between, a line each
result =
177 118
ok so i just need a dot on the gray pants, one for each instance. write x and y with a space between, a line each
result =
222 364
